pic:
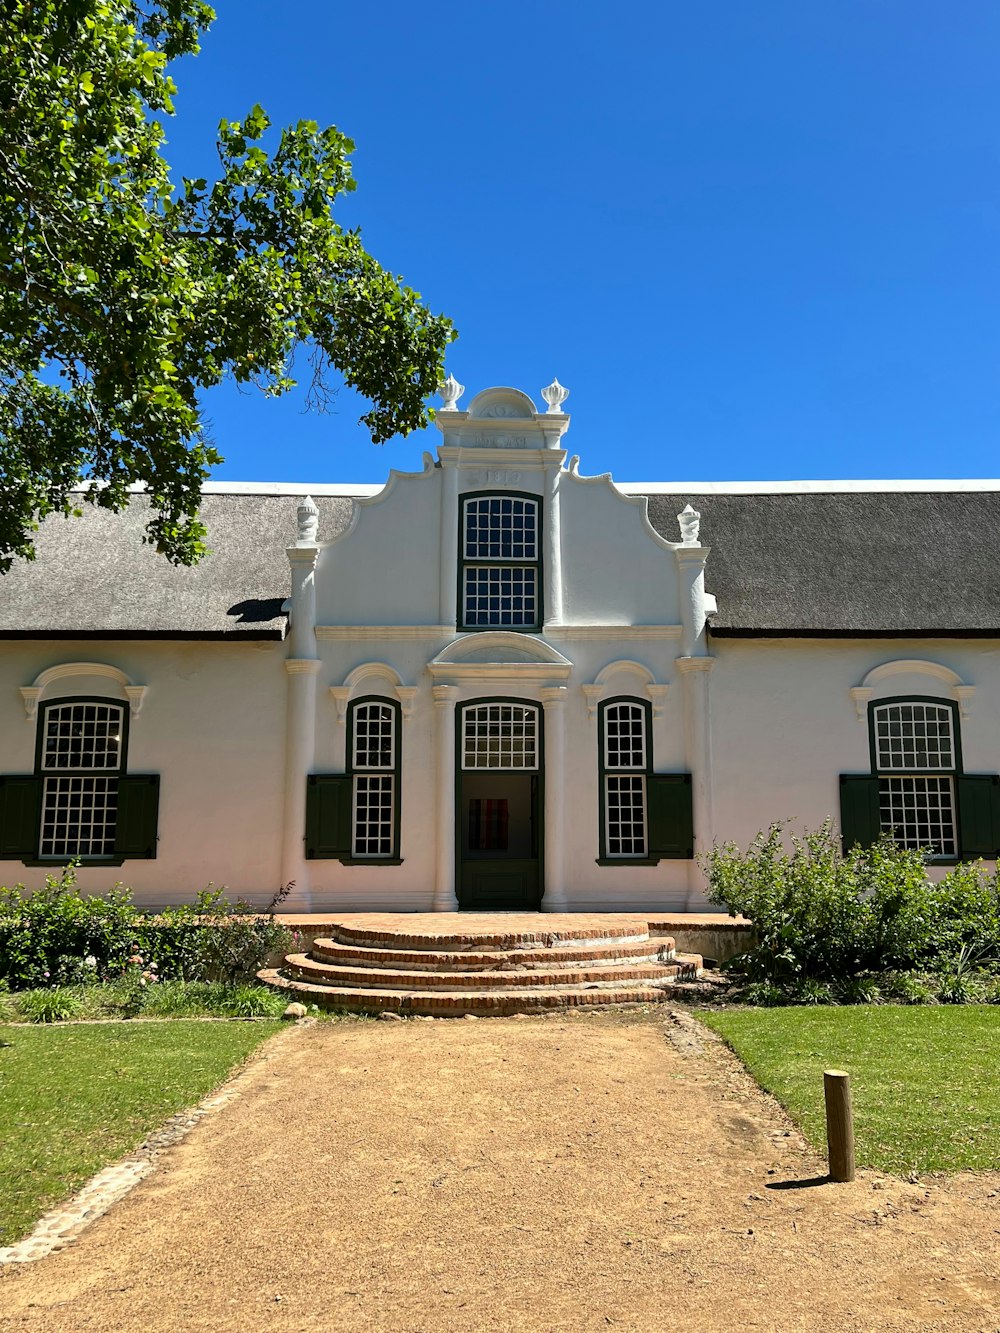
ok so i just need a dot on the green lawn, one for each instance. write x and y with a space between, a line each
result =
73 1099
925 1081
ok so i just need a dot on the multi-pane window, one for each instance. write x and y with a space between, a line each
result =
500 735
624 769
914 749
81 756
375 778
500 569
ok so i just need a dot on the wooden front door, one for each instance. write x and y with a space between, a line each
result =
498 808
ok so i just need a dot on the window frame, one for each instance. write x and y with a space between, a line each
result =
43 773
606 858
504 563
953 773
502 702
352 858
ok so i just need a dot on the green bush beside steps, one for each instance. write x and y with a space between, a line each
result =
60 937
858 927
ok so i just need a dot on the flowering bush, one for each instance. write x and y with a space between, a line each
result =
47 938
59 936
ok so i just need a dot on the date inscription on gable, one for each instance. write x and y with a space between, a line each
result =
494 477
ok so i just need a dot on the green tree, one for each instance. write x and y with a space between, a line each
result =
123 296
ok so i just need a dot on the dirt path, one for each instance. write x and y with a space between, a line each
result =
570 1174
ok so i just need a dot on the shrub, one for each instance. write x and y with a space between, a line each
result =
966 911
255 1002
55 1005
239 938
908 987
845 920
58 936
858 990
47 937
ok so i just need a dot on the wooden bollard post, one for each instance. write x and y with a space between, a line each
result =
839 1124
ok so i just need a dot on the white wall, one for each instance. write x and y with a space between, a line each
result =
211 724
785 725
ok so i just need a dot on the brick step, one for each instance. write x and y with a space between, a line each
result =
487 932
446 1004
304 968
598 954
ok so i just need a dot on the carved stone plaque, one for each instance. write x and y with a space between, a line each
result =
497 441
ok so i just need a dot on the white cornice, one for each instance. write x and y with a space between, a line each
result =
614 632
517 459
848 487
340 632
364 489
521 673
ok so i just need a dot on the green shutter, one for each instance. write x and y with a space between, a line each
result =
328 816
978 816
671 816
20 810
860 816
138 811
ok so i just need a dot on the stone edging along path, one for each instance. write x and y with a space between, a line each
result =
56 1228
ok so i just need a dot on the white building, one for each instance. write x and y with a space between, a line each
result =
499 683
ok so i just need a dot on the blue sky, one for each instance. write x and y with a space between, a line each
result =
755 239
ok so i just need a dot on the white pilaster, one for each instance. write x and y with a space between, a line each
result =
300 749
445 898
693 608
695 679
554 702
449 542
552 560
302 668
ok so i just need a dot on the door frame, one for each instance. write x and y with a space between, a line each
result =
538 772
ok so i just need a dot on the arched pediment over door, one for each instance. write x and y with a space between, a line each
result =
500 655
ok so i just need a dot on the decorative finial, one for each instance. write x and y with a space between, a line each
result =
451 391
690 520
555 395
308 516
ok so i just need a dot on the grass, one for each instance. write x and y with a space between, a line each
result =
166 999
74 1098
925 1081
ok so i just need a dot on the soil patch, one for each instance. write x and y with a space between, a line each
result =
549 1174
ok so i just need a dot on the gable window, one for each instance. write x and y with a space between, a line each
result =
644 816
917 792
500 566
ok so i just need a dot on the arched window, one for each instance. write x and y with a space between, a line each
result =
915 755
500 562
373 739
645 817
624 767
80 803
917 791
81 756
